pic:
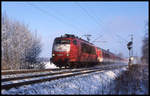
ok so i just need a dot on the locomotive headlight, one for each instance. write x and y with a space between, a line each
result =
53 54
67 54
132 58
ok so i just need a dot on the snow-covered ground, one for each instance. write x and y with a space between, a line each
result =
49 65
92 83
133 81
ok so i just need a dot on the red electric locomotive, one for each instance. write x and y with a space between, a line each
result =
71 51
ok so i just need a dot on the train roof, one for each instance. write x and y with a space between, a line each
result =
73 36
106 51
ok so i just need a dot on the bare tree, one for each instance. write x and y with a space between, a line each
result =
145 47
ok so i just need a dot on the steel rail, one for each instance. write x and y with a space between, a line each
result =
39 75
26 71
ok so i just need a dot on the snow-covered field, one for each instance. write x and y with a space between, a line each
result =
93 83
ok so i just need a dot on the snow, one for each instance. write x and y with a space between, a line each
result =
49 65
91 83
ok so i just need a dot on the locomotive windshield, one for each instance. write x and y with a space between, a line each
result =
61 45
62 41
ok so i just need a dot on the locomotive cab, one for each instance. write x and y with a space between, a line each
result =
63 51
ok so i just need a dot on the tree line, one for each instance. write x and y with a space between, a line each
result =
145 46
20 47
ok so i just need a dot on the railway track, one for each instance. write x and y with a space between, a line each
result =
6 72
18 81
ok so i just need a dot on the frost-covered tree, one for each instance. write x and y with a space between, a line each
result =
145 47
33 52
5 39
17 40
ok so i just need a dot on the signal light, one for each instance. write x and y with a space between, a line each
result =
53 54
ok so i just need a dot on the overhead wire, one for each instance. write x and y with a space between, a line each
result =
95 16
114 32
98 19
51 15
96 38
60 20
94 19
91 16
60 14
121 37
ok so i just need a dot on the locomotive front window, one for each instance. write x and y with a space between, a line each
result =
74 42
61 45
62 42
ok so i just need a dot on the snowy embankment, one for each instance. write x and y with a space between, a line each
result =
135 80
92 83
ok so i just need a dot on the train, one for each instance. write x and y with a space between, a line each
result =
70 51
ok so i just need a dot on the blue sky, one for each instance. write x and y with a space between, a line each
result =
112 22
